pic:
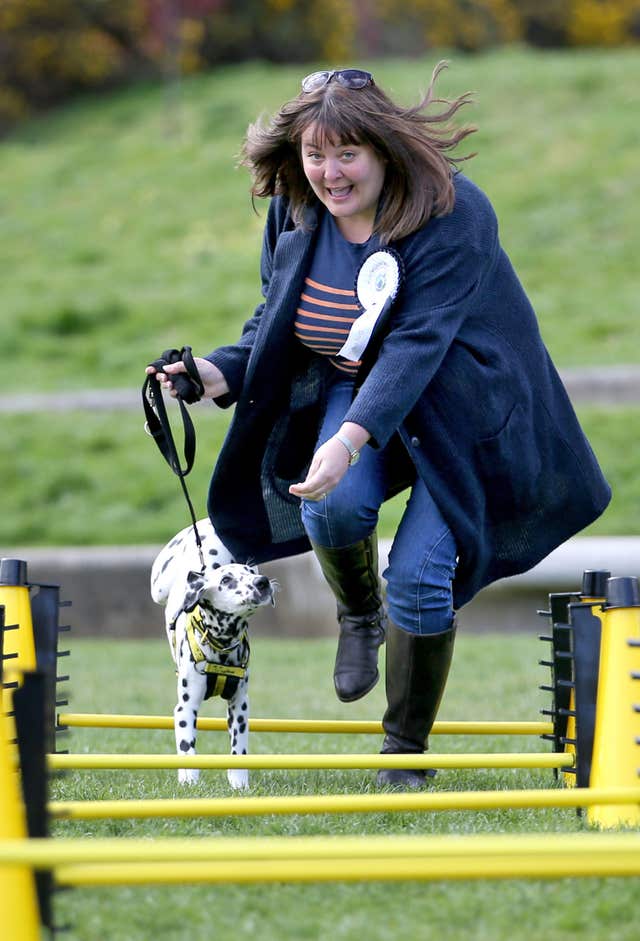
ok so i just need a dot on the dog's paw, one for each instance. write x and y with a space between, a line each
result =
188 775
238 779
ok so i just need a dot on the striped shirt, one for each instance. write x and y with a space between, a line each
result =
328 304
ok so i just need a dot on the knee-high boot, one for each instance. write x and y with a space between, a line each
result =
417 671
352 574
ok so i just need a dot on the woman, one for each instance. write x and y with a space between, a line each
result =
443 386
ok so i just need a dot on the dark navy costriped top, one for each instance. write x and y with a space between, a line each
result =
328 304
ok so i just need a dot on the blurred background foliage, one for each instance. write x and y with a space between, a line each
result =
53 49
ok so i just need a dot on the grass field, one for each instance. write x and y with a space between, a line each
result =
91 479
125 229
493 677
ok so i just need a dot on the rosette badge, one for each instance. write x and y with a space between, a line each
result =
377 284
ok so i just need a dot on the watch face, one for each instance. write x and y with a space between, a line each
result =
355 457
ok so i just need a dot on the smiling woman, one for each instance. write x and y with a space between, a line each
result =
395 349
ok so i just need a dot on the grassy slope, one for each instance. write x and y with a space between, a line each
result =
491 678
91 479
124 229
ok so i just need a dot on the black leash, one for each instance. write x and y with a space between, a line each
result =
189 389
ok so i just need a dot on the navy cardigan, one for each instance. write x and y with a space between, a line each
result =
459 374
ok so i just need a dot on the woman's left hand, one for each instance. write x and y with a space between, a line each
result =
329 465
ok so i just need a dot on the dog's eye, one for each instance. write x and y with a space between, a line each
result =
226 580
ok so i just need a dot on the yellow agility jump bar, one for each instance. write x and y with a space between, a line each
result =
307 761
42 853
331 726
341 803
313 859
553 865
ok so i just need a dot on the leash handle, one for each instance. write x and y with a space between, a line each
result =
158 426
188 385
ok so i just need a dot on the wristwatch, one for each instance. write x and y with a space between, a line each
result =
354 454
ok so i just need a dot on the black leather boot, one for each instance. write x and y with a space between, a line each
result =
417 671
352 574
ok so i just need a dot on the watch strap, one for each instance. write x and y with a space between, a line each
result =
354 453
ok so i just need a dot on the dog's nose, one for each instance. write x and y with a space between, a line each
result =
261 583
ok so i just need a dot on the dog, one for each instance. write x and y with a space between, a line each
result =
206 615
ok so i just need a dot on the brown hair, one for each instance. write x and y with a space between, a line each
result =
415 146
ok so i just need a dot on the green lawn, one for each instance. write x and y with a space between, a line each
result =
493 677
96 478
125 228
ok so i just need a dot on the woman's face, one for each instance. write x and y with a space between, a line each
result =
346 178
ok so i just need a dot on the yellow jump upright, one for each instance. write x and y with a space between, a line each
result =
616 749
19 908
593 594
19 644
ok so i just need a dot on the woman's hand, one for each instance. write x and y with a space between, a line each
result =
329 465
212 379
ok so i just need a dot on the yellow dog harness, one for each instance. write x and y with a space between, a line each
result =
222 680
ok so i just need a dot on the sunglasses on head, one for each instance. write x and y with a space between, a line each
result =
348 78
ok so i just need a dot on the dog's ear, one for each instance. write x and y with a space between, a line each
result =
194 590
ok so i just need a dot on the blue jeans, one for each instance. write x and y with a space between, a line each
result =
422 560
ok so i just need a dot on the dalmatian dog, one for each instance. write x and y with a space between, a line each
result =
206 615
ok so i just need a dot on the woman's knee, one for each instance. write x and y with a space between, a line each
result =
419 590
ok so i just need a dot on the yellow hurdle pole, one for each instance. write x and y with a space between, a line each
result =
45 853
330 726
616 756
551 866
298 762
340 803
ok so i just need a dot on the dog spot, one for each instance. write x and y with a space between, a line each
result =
242 725
244 751
185 697
179 709
184 745
182 724
184 682
213 551
216 565
228 581
244 705
168 562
